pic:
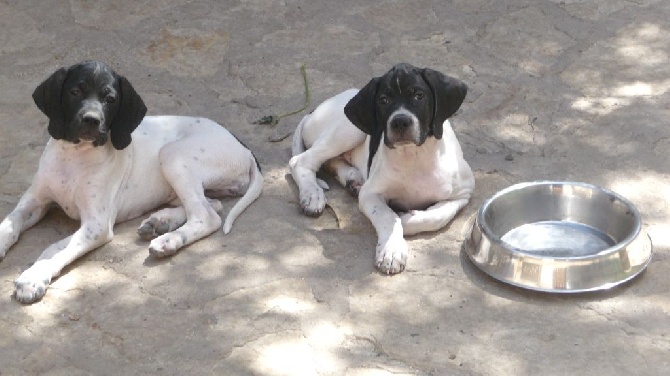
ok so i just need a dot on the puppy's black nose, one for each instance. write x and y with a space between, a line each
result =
91 120
400 122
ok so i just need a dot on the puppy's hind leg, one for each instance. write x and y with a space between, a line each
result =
303 170
168 219
305 165
201 217
433 218
202 220
347 175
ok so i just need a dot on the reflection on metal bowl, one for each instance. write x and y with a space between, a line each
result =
559 237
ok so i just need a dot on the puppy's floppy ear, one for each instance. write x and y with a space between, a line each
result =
47 97
362 109
129 116
448 95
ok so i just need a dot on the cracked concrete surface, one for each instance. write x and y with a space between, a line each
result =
568 90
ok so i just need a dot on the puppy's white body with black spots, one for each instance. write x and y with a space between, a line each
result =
92 170
392 145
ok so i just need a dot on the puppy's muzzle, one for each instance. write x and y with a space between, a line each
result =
92 127
403 128
400 123
91 120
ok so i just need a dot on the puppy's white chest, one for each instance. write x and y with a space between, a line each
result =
418 188
77 177
413 178
63 186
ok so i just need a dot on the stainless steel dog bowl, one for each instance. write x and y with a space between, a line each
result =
559 237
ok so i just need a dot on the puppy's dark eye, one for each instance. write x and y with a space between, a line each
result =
418 96
110 99
383 100
75 92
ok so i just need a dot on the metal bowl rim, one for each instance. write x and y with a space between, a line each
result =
497 241
568 291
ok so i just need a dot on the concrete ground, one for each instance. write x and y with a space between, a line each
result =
567 90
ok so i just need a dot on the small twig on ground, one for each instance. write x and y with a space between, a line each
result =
274 119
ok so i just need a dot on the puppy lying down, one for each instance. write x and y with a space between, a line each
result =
107 163
391 145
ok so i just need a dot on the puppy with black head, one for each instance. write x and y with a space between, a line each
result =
391 145
107 162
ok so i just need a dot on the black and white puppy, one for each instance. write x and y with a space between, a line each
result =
391 145
93 171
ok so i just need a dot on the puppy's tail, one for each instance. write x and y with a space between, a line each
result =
298 145
253 191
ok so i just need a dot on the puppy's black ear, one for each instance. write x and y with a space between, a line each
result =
129 116
448 95
47 97
361 109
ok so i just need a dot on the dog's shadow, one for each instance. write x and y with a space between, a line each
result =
152 261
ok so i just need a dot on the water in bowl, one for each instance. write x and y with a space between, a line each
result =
558 239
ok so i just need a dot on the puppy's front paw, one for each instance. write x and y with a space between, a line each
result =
30 287
392 256
312 201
